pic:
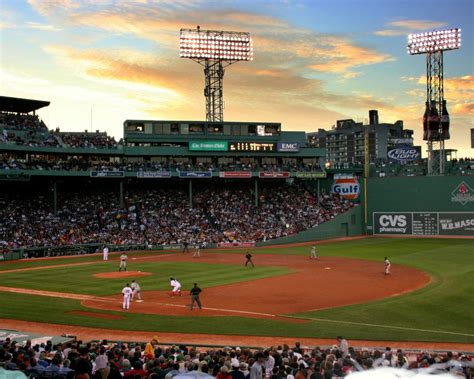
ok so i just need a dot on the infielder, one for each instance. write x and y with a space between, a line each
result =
314 253
123 262
127 296
106 253
387 266
136 291
176 287
249 259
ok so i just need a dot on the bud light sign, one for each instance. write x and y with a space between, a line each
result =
346 187
404 153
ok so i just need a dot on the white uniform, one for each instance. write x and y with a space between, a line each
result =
127 296
106 253
314 252
135 290
197 252
176 287
387 266
123 262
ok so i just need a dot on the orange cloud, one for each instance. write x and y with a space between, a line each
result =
465 109
404 27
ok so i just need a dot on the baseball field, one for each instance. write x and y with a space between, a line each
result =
427 297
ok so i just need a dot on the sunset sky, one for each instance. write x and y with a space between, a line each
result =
101 62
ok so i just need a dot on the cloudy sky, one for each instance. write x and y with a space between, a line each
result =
100 62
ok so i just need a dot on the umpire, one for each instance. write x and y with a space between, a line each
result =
195 291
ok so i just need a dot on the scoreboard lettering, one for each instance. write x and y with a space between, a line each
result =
252 146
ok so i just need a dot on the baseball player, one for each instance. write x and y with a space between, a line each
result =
176 287
106 253
249 259
123 262
127 296
387 266
136 291
314 252
197 251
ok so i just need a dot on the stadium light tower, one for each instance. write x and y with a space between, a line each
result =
436 117
215 50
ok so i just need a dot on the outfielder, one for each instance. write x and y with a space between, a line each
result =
123 262
127 296
314 253
197 252
106 253
136 291
176 287
387 266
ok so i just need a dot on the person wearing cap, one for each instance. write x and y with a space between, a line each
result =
195 291
236 372
343 346
176 287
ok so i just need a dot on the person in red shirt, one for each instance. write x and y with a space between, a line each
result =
137 370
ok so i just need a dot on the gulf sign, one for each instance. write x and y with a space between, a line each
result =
348 188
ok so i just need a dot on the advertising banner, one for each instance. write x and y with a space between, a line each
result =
153 174
208 146
235 244
107 174
311 175
288 147
235 174
273 174
195 174
404 153
176 246
252 146
346 186
456 224
392 223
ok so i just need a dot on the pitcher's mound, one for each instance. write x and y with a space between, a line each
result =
121 274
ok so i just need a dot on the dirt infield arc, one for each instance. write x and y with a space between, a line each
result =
312 284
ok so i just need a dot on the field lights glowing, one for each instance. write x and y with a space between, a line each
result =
437 40
210 44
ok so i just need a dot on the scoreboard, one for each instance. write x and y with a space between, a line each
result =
424 223
252 146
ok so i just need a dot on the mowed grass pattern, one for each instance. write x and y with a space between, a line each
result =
80 279
442 311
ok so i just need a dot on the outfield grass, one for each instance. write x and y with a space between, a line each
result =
442 311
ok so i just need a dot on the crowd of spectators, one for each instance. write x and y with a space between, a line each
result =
104 360
220 213
30 130
88 163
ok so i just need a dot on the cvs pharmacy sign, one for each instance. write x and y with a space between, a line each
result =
392 223
347 187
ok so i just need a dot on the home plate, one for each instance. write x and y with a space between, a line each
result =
327 268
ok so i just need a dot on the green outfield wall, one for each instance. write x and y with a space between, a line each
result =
424 205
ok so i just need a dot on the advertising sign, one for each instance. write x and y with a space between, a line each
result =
195 174
424 223
472 138
456 224
107 174
235 244
153 174
288 147
346 186
208 146
273 174
235 174
404 153
310 175
392 223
